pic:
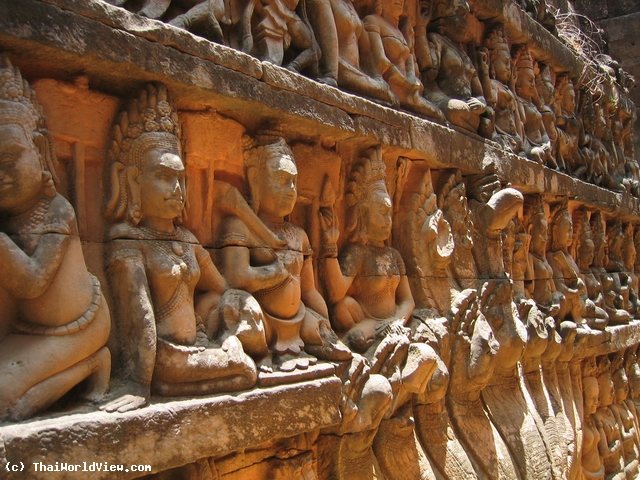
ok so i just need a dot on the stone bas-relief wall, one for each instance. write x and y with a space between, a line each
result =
224 269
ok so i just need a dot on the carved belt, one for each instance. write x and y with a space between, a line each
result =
72 327
266 291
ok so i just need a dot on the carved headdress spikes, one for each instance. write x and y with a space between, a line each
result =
149 122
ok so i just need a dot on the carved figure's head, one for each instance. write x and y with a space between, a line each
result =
566 94
561 228
272 175
499 55
26 157
525 77
583 248
535 220
591 393
368 202
147 173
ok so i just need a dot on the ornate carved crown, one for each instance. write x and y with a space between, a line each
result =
523 59
17 100
496 41
149 121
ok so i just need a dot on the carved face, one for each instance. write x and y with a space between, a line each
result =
392 9
605 384
586 250
162 185
276 185
20 170
539 234
502 65
563 230
525 83
591 395
621 385
545 84
379 212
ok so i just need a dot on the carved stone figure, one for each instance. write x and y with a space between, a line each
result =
570 131
545 87
166 290
625 418
493 209
371 303
617 315
611 448
500 96
274 31
394 59
344 45
620 288
566 274
472 367
450 78
537 142
594 443
425 240
55 322
540 332
280 278
583 251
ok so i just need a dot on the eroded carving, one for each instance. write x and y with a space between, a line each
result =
54 320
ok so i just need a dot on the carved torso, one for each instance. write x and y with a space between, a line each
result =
455 69
47 219
377 272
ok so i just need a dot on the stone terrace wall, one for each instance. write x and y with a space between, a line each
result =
410 254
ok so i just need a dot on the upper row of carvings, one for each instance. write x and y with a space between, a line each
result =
436 59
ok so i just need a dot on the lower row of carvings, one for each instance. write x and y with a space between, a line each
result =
475 344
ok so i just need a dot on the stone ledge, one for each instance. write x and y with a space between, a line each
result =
620 338
522 28
48 40
169 434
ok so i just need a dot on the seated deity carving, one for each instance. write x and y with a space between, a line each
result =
167 292
566 273
537 142
570 128
500 93
545 87
54 320
280 278
620 285
583 252
451 79
394 60
278 32
344 45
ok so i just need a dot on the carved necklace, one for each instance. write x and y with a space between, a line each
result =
160 239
